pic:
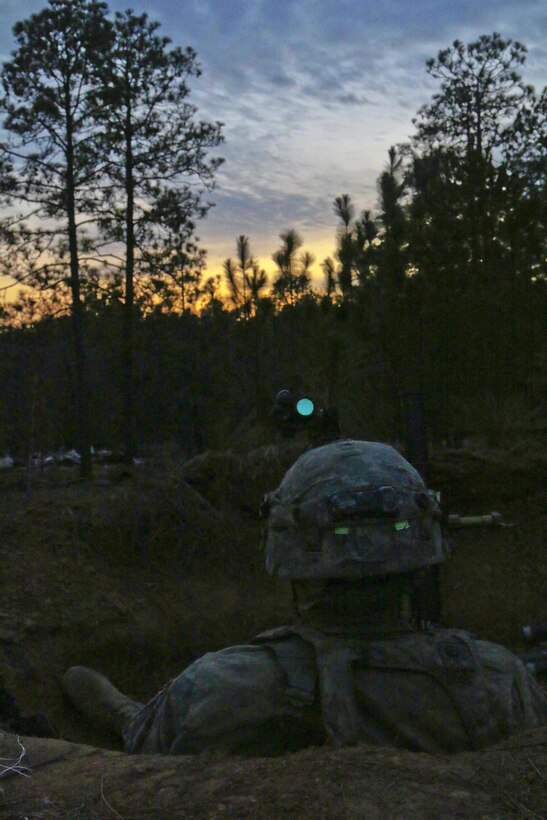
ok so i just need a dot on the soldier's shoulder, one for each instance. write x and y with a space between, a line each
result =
279 633
241 667
228 661
496 656
487 654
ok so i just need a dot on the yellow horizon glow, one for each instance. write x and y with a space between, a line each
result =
320 244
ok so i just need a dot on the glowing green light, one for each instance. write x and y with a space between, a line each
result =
305 407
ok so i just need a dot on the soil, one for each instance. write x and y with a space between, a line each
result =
78 781
144 569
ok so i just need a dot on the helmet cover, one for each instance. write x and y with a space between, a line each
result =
351 509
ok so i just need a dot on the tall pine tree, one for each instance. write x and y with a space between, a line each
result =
158 168
49 118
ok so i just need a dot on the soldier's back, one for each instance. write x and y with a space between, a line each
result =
435 691
438 691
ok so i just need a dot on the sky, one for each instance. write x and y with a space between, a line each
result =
312 94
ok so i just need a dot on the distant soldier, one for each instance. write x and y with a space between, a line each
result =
354 528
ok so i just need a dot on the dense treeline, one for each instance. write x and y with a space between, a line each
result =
206 380
442 289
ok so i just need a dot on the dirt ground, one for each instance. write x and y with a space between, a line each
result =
77 781
142 570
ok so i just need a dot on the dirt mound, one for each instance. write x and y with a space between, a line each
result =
238 480
135 573
494 582
72 781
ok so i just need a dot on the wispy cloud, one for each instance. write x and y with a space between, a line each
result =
313 92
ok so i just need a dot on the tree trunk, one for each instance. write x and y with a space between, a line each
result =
78 322
128 322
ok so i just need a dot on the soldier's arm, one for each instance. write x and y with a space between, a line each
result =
234 700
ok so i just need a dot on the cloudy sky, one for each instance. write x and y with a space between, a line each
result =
312 94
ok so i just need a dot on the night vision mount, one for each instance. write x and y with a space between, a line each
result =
294 411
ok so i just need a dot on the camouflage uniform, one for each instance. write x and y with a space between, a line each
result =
438 691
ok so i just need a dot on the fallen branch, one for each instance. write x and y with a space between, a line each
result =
107 804
15 766
533 765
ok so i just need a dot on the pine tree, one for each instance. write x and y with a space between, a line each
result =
54 161
158 168
293 277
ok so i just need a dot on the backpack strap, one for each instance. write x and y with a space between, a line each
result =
331 661
297 659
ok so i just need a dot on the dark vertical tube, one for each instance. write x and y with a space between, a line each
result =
428 597
412 409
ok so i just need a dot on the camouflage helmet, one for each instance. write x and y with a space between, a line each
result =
351 509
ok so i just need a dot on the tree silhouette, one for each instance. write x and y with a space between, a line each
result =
474 219
293 278
256 281
158 167
245 261
229 267
245 278
344 210
55 163
392 217
481 93
329 269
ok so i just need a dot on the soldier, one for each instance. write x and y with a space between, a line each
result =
354 528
